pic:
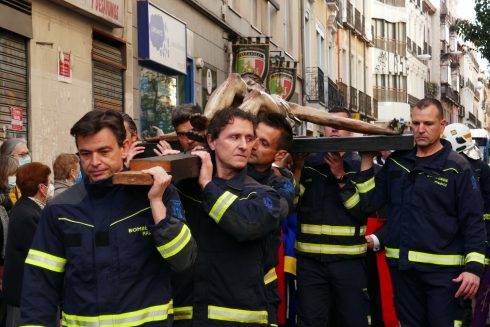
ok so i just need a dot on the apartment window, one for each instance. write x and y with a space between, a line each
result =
253 13
320 46
307 39
360 74
271 20
287 25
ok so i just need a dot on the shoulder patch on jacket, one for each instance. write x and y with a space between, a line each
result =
177 209
267 202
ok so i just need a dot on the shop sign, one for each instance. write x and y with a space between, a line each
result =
16 118
282 81
64 66
251 58
162 38
111 11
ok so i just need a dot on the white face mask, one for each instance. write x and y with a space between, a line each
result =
50 194
24 160
11 182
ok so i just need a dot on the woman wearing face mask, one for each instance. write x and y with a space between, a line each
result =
33 182
17 149
66 169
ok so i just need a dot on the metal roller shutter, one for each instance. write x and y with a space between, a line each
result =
13 83
108 76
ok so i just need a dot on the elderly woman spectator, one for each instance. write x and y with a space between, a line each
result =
33 182
17 149
66 169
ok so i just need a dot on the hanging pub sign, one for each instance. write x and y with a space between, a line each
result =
282 79
251 58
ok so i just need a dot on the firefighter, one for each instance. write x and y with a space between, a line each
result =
435 243
102 251
274 137
229 214
459 135
331 245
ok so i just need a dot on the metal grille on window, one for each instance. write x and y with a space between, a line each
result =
108 76
13 85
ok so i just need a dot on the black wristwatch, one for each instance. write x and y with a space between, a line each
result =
341 180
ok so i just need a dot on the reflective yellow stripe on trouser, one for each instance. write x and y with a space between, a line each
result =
221 205
46 261
177 244
237 315
134 318
270 276
182 313
331 230
331 248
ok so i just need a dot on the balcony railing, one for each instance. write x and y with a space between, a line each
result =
343 92
448 93
430 50
363 27
472 118
409 44
383 94
401 48
426 48
353 99
357 22
315 87
335 98
362 103
333 4
396 3
391 45
375 109
349 19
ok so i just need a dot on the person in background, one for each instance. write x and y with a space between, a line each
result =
8 167
459 135
181 116
66 169
17 149
33 182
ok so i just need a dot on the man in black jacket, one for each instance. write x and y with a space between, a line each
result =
104 251
229 214
331 245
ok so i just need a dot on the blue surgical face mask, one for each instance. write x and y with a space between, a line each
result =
24 160
11 182
79 178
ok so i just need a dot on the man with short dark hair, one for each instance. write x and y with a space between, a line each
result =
330 242
102 251
274 137
230 214
435 243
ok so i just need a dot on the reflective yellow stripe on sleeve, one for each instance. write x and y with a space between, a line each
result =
352 201
221 205
46 261
134 318
437 259
366 186
475 257
182 313
331 248
458 323
392 253
486 216
237 315
270 276
177 244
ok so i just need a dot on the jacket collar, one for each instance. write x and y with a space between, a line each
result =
236 182
437 160
258 175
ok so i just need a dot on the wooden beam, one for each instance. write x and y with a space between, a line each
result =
180 166
357 143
